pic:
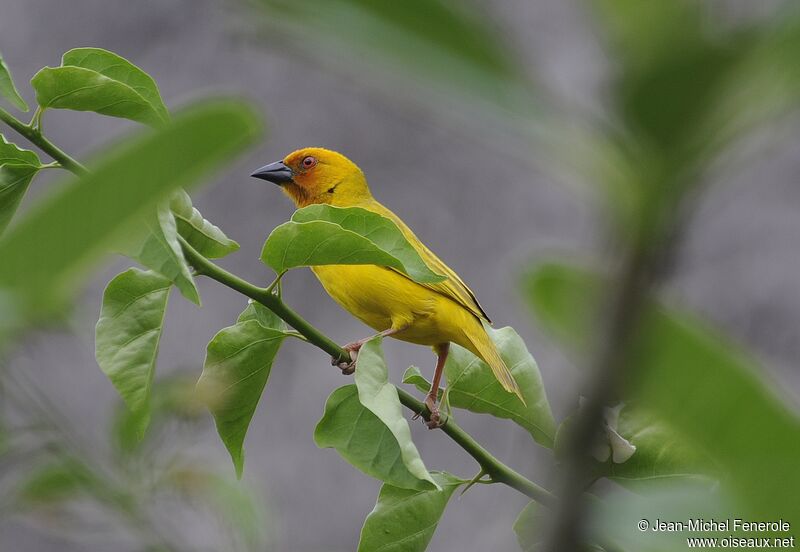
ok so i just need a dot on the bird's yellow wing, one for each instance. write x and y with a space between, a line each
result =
454 287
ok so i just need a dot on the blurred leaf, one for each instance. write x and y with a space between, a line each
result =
14 182
264 316
7 88
59 480
172 397
237 503
614 520
91 79
120 69
206 238
47 252
697 382
238 363
528 528
403 519
128 334
471 385
661 453
364 440
380 397
325 235
443 42
161 251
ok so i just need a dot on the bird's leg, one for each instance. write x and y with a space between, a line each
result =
348 368
430 400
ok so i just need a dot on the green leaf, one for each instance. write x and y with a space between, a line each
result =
14 155
472 386
14 183
325 235
91 79
404 520
264 316
238 363
413 376
364 440
81 220
207 239
128 334
7 88
380 397
119 69
17 169
161 251
704 388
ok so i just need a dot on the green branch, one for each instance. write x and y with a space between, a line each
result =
36 137
499 472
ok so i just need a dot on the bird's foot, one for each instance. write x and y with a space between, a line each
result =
435 419
348 368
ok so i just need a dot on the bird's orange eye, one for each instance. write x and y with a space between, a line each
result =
309 162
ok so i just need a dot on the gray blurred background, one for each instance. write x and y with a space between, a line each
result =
484 203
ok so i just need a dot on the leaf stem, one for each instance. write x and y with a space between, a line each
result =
498 471
36 137
495 468
265 297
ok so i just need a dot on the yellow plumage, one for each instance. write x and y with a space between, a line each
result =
383 298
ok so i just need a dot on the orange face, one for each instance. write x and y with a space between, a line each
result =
317 175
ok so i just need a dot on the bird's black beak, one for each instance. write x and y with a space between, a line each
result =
277 173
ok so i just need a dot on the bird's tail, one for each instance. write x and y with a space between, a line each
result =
482 346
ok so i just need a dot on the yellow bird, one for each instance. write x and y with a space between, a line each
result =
381 297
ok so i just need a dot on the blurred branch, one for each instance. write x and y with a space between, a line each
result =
500 472
34 135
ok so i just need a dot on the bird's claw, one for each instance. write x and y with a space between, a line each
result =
434 421
347 368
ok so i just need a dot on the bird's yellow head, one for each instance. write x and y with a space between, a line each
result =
317 175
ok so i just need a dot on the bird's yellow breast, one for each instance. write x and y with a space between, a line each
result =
383 299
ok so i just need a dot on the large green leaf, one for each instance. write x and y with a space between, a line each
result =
380 397
7 88
128 334
238 363
404 520
703 387
91 79
45 254
207 239
161 251
325 235
119 69
364 440
472 385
